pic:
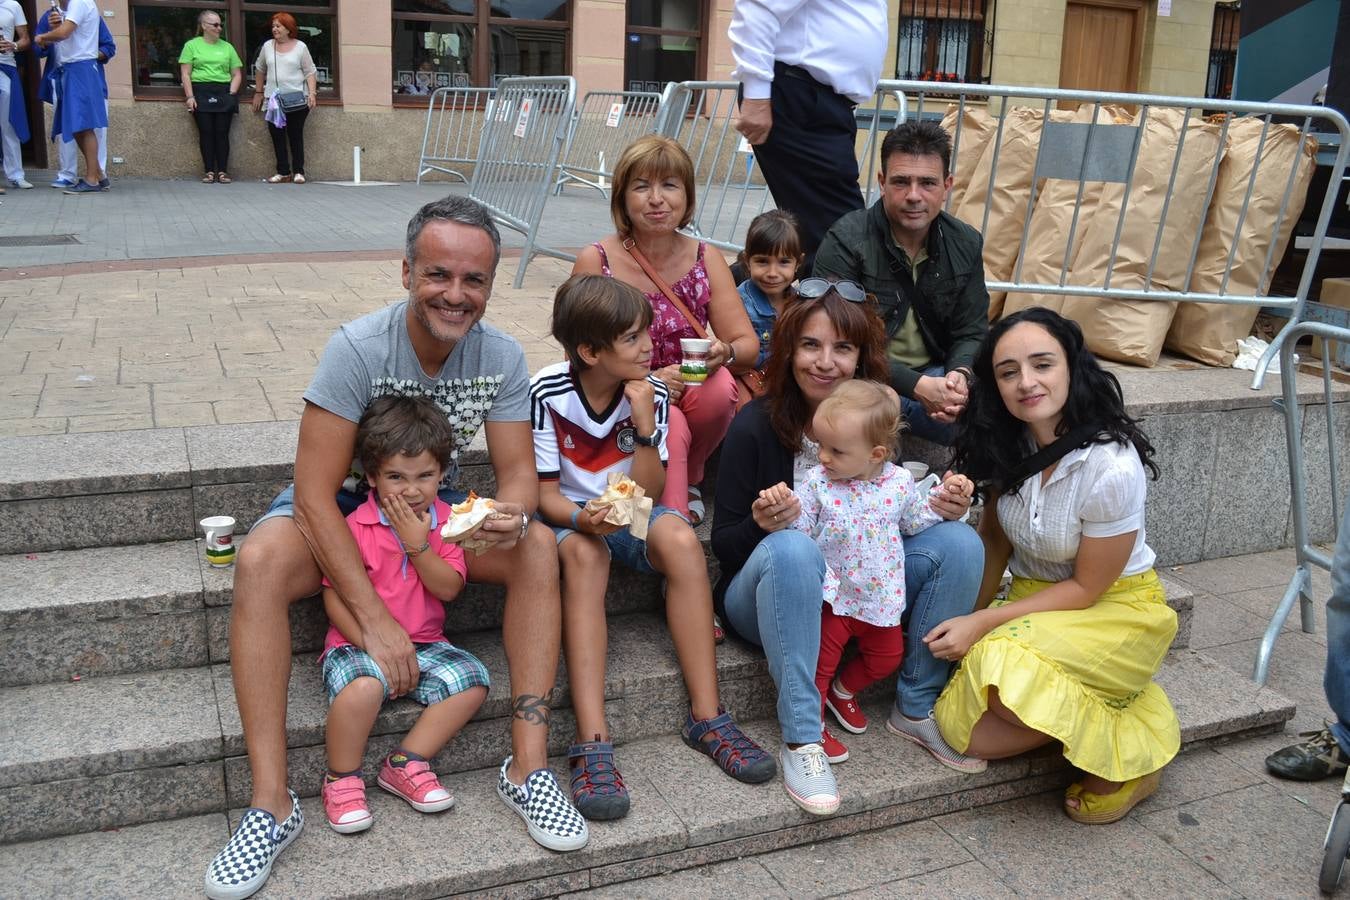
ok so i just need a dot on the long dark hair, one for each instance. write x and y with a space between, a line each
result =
990 441
855 322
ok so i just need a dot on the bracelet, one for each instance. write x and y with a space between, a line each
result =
413 554
731 353
576 512
524 524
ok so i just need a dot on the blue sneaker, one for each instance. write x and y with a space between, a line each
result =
84 187
105 183
63 183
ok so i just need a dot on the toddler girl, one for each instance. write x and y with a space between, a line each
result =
772 254
856 504
404 445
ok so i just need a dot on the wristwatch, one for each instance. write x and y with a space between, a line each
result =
653 441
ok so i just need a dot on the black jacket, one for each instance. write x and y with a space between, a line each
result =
951 304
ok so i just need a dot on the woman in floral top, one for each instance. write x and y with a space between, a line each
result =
652 199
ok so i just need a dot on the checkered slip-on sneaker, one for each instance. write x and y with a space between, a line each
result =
551 818
241 869
926 734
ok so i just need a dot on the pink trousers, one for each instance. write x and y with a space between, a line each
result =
696 428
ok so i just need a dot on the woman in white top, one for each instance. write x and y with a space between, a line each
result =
1070 654
284 66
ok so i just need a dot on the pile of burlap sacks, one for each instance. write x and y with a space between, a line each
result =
1126 330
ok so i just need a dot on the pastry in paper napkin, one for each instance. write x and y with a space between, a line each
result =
626 504
465 520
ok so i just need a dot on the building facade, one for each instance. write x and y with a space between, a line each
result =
379 59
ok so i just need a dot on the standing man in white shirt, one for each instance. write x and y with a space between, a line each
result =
13 114
803 67
81 106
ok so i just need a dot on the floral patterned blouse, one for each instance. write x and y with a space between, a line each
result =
668 323
858 525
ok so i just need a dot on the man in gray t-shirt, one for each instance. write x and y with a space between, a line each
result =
433 344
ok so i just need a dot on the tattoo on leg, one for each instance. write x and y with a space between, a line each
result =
530 708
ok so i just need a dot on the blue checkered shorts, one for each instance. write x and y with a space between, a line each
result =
446 671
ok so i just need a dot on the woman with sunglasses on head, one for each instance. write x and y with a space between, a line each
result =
1070 654
285 70
212 75
772 580
652 199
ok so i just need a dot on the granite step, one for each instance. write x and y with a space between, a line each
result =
114 610
480 847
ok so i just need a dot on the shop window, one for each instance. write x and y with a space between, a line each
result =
944 40
1223 48
475 43
160 29
664 42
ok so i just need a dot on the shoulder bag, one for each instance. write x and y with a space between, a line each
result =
751 383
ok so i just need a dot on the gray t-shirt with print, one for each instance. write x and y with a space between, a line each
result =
484 379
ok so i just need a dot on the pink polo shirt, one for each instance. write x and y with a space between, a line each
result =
395 579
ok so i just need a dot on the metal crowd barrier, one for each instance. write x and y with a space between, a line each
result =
1306 554
523 137
1092 151
606 123
453 131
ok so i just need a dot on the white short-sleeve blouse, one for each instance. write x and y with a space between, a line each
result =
1095 491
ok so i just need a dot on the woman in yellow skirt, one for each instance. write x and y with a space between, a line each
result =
1070 655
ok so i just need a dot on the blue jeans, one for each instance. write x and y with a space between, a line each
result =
944 565
774 600
1337 679
917 421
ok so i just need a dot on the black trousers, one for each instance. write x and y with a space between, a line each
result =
213 128
291 137
808 160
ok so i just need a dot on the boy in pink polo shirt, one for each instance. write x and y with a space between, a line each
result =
404 445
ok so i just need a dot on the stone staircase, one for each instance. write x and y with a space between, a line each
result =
122 764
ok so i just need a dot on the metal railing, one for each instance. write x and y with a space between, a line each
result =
1307 555
606 123
454 130
524 134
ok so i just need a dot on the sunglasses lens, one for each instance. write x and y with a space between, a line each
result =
811 288
850 291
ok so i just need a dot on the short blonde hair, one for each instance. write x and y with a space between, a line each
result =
878 404
653 156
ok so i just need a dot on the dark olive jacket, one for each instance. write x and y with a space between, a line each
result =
951 304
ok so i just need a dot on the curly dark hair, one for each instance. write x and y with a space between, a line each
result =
396 424
854 322
990 441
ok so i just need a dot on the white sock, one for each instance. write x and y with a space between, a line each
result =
839 690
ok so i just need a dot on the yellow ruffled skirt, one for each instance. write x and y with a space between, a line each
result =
1084 677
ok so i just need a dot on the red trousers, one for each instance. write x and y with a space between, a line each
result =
880 650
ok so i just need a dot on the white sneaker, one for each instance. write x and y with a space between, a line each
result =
21 184
808 779
925 733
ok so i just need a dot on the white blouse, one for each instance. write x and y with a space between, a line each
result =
285 71
1095 491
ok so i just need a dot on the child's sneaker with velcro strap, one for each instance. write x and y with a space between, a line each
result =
344 804
415 782
549 815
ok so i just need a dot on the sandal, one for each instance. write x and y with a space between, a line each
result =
734 752
1102 809
598 791
696 508
719 633
299 178
278 179
223 178
209 178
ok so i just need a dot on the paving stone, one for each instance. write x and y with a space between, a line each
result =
1249 505
738 878
71 465
159 861
67 523
1219 620
1228 575
1204 694
1177 511
970 881
1197 773
90 649
1263 601
1296 666
1277 860
228 454
1038 851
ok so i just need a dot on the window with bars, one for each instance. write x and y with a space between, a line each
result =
944 40
160 28
1223 47
476 43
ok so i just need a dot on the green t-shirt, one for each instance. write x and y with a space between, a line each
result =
211 63
907 346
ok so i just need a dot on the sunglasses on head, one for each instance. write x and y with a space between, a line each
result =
813 288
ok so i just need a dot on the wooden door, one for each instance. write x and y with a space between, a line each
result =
1103 42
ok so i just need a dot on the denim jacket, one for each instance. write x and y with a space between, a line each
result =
762 316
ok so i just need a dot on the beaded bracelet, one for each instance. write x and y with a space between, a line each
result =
576 512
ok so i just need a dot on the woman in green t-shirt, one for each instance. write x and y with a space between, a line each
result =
212 75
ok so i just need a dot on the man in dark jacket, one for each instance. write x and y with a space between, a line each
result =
925 269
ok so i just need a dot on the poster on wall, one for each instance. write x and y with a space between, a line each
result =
405 78
460 79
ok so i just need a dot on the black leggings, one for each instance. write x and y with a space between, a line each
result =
294 135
